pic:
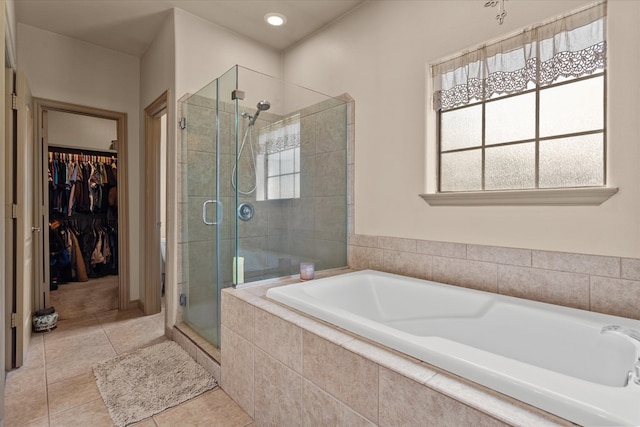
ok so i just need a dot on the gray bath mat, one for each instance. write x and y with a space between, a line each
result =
137 385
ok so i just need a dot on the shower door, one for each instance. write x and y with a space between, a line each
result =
208 145
201 210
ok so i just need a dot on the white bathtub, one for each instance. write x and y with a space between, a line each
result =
551 357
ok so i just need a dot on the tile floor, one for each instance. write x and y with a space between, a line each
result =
56 387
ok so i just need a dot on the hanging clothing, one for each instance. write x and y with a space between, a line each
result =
80 268
83 229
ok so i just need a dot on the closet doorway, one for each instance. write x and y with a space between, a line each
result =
84 203
155 203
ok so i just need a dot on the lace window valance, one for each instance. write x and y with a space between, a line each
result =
280 136
572 46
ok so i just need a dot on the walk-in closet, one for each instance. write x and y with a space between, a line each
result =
82 175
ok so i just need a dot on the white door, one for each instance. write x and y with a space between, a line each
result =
20 225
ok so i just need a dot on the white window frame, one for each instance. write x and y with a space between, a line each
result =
533 197
294 174
268 147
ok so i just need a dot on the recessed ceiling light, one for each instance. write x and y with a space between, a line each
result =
275 19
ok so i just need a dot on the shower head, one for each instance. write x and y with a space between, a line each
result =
263 105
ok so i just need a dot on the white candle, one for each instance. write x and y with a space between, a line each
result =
307 270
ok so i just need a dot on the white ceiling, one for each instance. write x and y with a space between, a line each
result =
129 26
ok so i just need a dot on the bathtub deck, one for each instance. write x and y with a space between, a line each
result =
285 368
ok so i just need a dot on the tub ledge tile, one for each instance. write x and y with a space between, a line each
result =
390 359
321 330
492 403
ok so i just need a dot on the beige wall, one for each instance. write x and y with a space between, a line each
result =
187 54
157 75
10 29
76 130
379 54
205 51
64 69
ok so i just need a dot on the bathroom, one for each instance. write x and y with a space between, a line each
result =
538 251
379 55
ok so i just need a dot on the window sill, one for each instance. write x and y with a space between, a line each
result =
588 196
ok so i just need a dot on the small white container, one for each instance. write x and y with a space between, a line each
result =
307 271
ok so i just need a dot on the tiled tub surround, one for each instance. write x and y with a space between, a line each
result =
284 368
609 285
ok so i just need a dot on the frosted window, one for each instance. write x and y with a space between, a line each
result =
283 180
281 143
461 128
461 171
526 111
571 108
286 162
572 162
273 187
511 119
273 164
286 187
510 166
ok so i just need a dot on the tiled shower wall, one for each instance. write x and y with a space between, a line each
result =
609 285
285 232
307 227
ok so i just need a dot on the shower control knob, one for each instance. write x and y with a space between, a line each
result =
245 211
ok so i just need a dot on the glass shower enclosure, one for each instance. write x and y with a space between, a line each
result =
263 165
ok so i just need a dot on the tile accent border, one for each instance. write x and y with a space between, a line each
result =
296 370
605 284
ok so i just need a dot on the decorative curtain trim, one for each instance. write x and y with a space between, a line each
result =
280 136
572 46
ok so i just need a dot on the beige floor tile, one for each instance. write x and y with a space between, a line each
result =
83 365
149 422
25 407
141 333
70 328
74 356
73 392
63 348
24 379
40 422
116 318
35 353
92 414
213 408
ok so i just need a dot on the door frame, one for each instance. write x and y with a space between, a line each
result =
22 233
151 275
43 105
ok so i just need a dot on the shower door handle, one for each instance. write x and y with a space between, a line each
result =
218 212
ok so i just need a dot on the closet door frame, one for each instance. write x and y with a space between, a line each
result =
151 280
42 106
